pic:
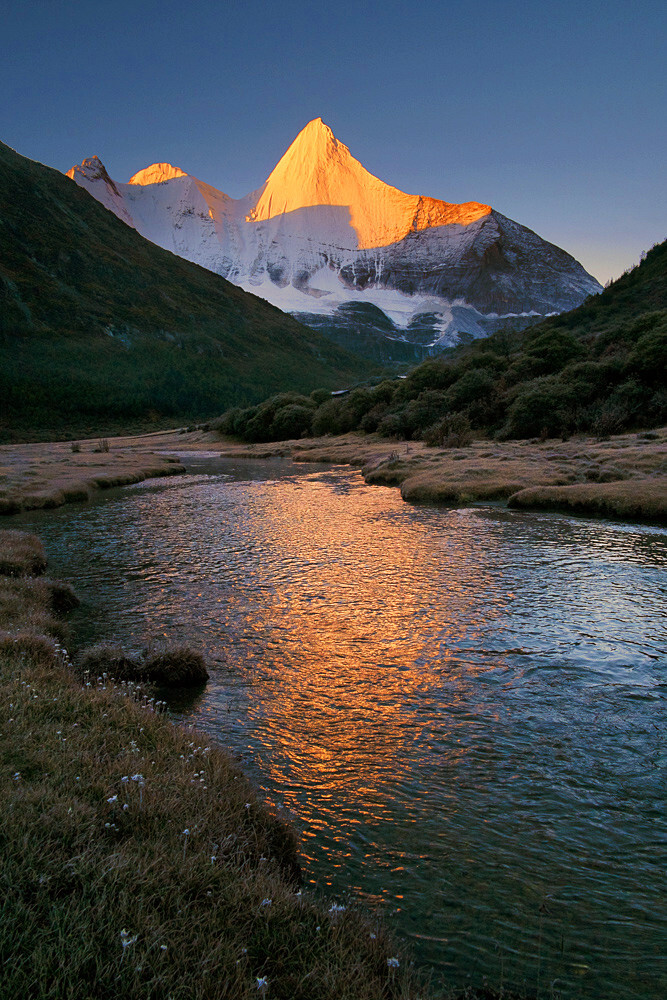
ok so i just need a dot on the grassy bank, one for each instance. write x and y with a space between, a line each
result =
37 476
624 476
136 859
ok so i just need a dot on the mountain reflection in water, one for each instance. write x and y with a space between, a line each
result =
463 711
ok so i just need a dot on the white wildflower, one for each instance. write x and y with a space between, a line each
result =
114 798
393 963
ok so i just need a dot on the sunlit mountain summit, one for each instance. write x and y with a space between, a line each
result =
388 273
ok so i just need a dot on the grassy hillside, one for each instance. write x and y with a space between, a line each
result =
101 330
599 368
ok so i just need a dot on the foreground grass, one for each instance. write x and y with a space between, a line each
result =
136 859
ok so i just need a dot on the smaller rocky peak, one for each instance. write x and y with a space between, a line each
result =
156 174
92 169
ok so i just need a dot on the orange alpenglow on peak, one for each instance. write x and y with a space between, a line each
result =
157 173
317 169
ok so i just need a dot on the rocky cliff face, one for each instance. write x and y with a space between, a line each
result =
330 243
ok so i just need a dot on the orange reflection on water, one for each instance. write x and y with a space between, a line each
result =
353 651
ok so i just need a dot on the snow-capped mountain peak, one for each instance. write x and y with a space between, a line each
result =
318 170
92 175
326 240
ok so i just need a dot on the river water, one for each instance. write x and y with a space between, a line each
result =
463 711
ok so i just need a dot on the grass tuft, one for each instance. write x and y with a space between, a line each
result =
176 665
21 554
111 660
165 665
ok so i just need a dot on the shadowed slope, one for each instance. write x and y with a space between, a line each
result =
100 329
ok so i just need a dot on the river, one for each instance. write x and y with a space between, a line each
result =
462 711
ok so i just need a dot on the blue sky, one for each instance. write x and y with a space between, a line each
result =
552 112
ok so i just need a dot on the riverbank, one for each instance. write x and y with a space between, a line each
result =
137 859
50 474
624 476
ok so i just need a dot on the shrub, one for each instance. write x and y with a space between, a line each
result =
649 358
542 403
353 407
432 374
291 421
453 431
260 425
475 386
587 380
234 421
326 419
425 410
320 396
370 420
392 425
657 407
552 350
610 420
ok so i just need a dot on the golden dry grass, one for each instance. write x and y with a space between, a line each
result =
640 499
48 474
21 554
624 476
45 475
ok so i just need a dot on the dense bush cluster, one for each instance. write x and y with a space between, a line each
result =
599 368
